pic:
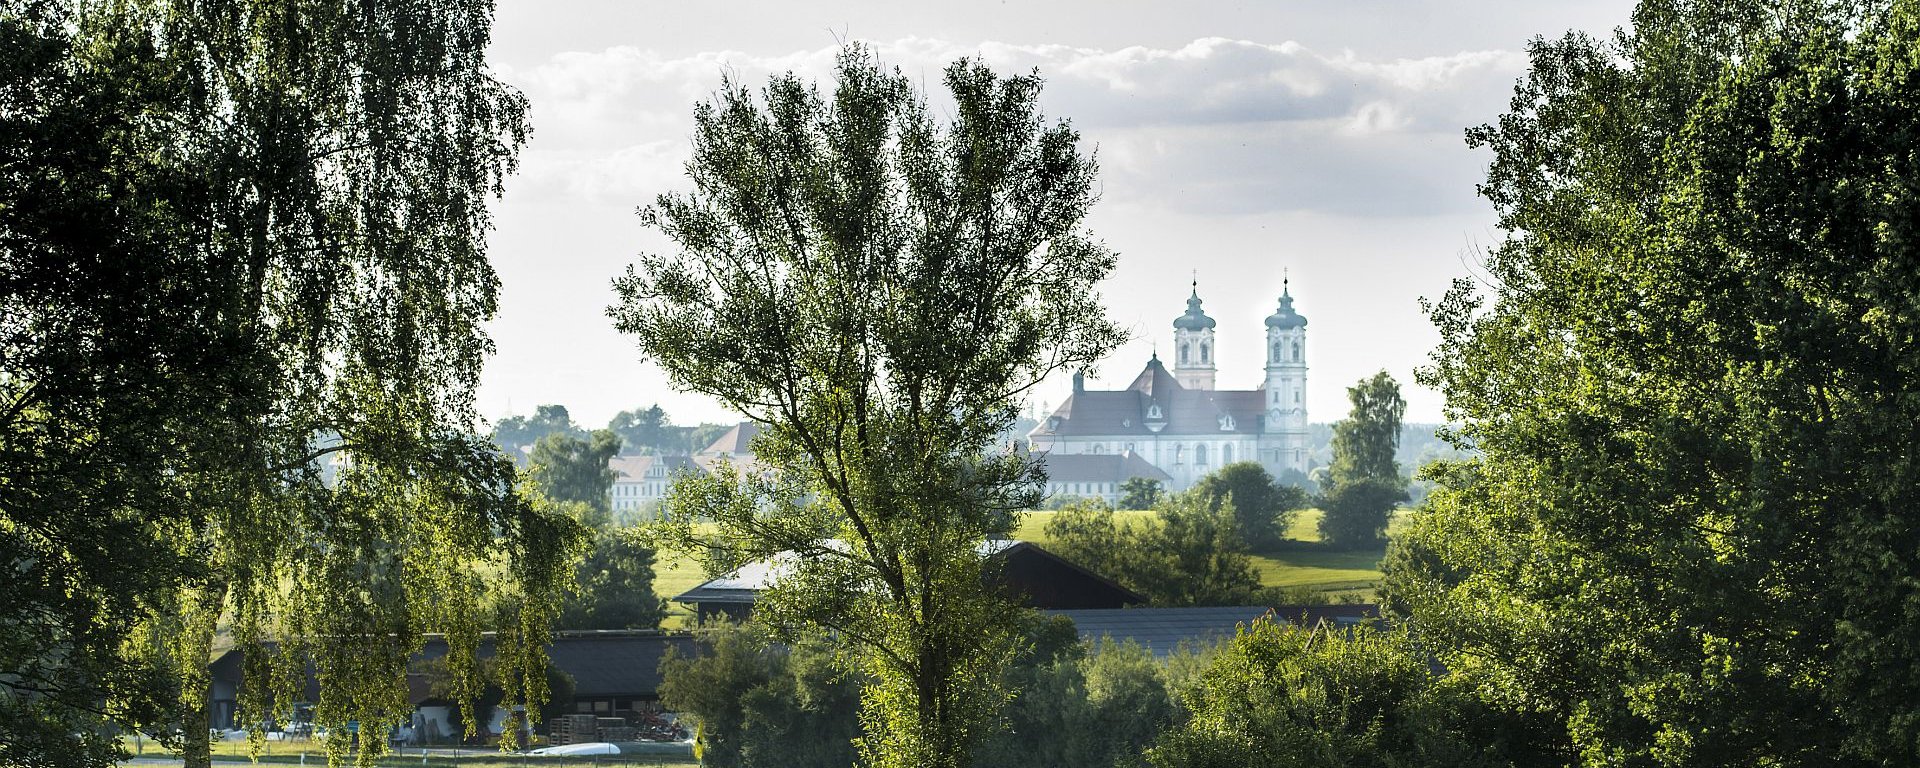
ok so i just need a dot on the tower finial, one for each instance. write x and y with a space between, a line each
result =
1284 280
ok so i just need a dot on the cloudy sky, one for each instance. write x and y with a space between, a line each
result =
1235 141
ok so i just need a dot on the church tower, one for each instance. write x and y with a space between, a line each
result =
1284 440
1193 345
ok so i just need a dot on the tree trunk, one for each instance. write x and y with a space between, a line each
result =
194 653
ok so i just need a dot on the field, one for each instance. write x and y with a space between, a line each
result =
1303 566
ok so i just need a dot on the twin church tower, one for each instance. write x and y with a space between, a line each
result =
1179 423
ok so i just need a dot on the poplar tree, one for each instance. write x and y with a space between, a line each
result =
1364 482
877 288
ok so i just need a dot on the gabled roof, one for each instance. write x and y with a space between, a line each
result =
1099 468
635 468
1163 630
1131 411
736 442
1043 579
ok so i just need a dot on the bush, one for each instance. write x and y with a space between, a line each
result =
1262 508
1356 513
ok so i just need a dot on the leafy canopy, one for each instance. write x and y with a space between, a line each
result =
878 288
1689 539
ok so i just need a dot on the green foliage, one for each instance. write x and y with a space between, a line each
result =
243 307
110 383
1262 508
1080 708
877 288
1364 483
1140 493
1357 512
614 585
442 684
518 434
1277 695
1689 538
645 430
696 438
1190 555
568 469
759 704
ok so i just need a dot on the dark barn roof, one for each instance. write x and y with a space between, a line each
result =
1163 630
1040 578
602 663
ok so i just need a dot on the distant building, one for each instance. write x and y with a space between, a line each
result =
735 447
641 481
1096 476
1178 422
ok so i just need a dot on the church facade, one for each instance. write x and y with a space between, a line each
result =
1179 422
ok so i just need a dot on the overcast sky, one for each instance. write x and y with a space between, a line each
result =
1235 140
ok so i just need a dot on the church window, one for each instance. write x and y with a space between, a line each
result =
1179 454
1200 454
1296 351
1226 454
1203 352
1183 353
1296 397
1099 448
1153 411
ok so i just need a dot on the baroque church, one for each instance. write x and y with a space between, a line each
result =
1177 421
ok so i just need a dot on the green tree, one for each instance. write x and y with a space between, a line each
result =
301 195
613 585
806 716
1078 706
518 434
1190 554
760 704
1140 493
645 430
696 439
564 469
1364 482
108 373
1262 508
1285 696
1689 537
879 290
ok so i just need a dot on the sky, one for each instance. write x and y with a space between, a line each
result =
1237 143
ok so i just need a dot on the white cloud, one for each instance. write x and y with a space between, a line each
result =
1233 125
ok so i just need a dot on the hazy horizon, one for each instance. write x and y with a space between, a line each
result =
1233 143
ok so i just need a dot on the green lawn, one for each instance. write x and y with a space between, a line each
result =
1303 566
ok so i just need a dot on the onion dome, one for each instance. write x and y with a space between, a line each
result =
1285 317
1194 319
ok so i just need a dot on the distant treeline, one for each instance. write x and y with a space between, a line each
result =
641 431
